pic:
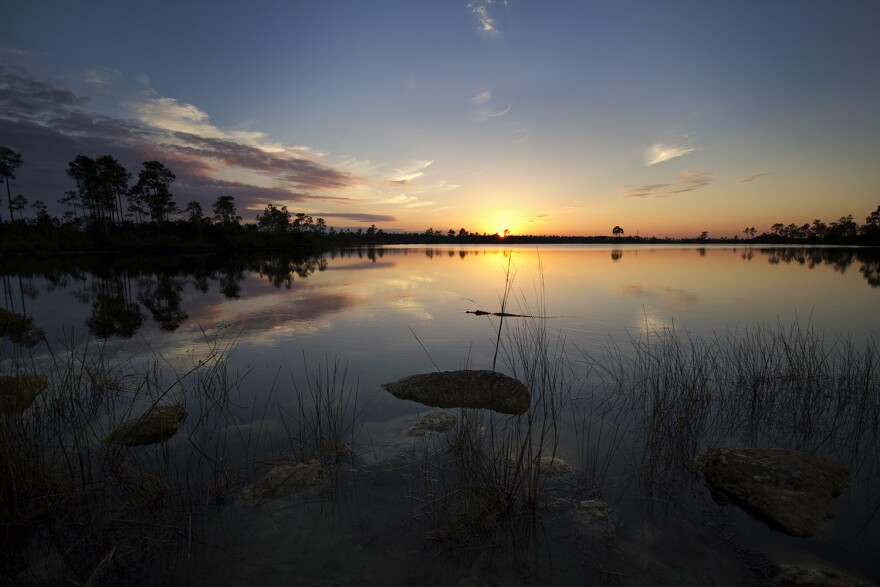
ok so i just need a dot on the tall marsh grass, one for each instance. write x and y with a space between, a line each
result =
103 512
782 386
491 474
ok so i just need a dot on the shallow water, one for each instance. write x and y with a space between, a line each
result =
386 313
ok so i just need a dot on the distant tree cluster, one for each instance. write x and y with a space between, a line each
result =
844 229
106 203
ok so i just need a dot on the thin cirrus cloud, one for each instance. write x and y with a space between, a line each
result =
50 125
484 109
752 178
687 181
358 216
404 178
660 152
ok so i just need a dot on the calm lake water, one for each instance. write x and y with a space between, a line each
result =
386 313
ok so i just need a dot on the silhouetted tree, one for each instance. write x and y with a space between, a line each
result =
819 229
9 162
100 184
274 219
41 215
224 212
113 181
71 198
18 203
153 190
871 229
617 231
844 227
194 215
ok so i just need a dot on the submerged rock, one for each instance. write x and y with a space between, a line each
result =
817 576
18 392
433 423
283 480
789 490
157 424
554 467
463 389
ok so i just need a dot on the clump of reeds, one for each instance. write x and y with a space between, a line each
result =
491 470
323 424
111 513
770 386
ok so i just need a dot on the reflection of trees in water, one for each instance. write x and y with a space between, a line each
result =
871 270
162 298
616 254
119 289
114 313
229 282
15 324
19 328
839 259
281 269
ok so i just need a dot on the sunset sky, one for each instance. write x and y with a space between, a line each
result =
667 118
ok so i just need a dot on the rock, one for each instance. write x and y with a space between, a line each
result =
818 576
554 467
433 423
283 480
788 490
157 424
18 392
463 389
47 571
594 519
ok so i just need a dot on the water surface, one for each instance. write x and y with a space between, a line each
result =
385 313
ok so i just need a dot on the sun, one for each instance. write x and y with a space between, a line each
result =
503 226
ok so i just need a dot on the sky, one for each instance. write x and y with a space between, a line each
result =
664 118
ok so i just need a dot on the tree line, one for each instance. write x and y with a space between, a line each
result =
107 210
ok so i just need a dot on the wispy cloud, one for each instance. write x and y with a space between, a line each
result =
751 178
403 178
51 125
660 152
480 9
101 78
358 216
484 108
687 181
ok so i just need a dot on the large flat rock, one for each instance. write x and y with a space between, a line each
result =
463 389
157 424
789 490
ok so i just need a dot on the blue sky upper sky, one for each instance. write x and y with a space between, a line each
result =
664 117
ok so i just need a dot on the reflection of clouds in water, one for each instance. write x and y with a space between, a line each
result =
649 321
291 314
363 266
410 305
674 297
263 325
